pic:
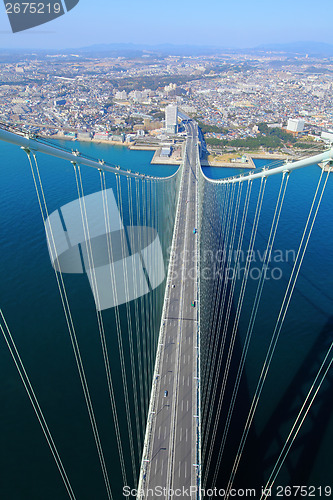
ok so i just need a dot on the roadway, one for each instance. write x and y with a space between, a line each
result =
171 462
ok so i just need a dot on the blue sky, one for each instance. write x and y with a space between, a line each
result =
236 23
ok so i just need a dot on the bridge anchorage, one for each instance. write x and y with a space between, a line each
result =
173 261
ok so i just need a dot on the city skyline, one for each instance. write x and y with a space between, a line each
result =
240 25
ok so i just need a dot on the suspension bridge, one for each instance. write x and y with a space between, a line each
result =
158 253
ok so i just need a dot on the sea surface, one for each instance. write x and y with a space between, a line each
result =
306 334
32 308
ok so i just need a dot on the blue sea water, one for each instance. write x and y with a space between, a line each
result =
31 305
305 337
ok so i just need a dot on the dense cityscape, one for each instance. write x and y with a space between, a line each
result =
124 98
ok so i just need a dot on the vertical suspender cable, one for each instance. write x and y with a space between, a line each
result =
146 308
121 348
155 265
207 402
69 321
143 329
227 251
228 312
216 293
103 338
149 297
279 323
222 313
137 326
267 257
227 246
86 230
129 325
217 281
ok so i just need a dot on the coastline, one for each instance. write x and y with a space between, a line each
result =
224 164
82 139
129 145
176 156
246 165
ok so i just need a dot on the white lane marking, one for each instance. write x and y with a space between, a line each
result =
187 405
162 467
188 381
164 432
185 470
186 435
183 380
179 468
181 434
155 466
182 405
159 432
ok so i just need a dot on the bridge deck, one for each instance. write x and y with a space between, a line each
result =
171 460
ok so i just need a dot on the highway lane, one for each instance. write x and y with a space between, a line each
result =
172 457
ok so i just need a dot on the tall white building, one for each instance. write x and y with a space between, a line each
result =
121 96
295 125
171 113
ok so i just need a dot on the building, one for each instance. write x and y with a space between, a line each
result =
276 125
84 136
327 137
171 123
295 125
170 89
166 151
60 102
121 96
101 136
117 138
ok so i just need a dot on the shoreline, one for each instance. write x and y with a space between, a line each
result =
94 141
176 159
249 164
221 164
130 145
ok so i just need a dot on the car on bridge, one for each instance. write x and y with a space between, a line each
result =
165 393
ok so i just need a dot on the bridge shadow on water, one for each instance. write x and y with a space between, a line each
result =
263 447
251 468
302 459
285 391
213 315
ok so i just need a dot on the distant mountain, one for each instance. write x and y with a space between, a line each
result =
311 48
128 49
136 50
132 50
